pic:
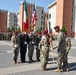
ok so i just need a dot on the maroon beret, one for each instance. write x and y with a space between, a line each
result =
56 27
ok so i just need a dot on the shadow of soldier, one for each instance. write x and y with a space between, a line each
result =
72 66
51 61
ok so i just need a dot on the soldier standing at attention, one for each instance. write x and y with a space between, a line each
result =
31 46
44 50
15 44
61 45
37 40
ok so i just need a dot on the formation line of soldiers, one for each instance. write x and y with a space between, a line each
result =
24 41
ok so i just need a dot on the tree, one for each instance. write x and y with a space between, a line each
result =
18 29
12 28
8 29
38 30
63 29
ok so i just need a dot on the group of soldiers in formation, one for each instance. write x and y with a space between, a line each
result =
43 44
5 35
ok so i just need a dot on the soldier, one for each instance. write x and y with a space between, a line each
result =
15 44
61 48
26 41
68 47
44 50
21 37
37 40
31 46
23 46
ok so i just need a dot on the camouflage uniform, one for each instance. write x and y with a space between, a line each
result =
31 47
44 51
61 48
68 47
15 45
37 40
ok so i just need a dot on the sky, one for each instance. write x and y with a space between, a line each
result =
13 5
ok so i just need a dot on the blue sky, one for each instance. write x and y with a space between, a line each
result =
13 5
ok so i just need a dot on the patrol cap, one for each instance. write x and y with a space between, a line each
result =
56 27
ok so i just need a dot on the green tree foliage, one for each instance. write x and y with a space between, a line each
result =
63 29
38 30
8 29
12 28
18 29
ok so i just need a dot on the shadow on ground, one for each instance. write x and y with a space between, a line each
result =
72 66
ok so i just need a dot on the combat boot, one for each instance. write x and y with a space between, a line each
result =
57 70
43 68
66 69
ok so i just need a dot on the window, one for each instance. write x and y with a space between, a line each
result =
42 11
44 17
49 16
71 27
14 24
41 28
41 17
44 23
72 11
72 2
41 22
49 23
72 19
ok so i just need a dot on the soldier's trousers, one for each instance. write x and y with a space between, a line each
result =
61 58
30 51
65 61
44 58
16 52
37 53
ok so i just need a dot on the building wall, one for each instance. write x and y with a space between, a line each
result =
52 17
74 24
3 20
21 16
40 20
67 15
11 20
64 14
59 13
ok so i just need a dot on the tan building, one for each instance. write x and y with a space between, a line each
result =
63 14
3 20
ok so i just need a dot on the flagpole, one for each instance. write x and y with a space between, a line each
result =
33 25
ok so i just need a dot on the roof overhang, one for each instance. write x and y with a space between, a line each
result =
52 4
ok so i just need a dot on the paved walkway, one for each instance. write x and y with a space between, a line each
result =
8 68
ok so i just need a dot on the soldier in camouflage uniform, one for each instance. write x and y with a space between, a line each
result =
15 45
68 47
37 40
61 45
44 50
31 46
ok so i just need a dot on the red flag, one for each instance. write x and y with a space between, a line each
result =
25 20
34 16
